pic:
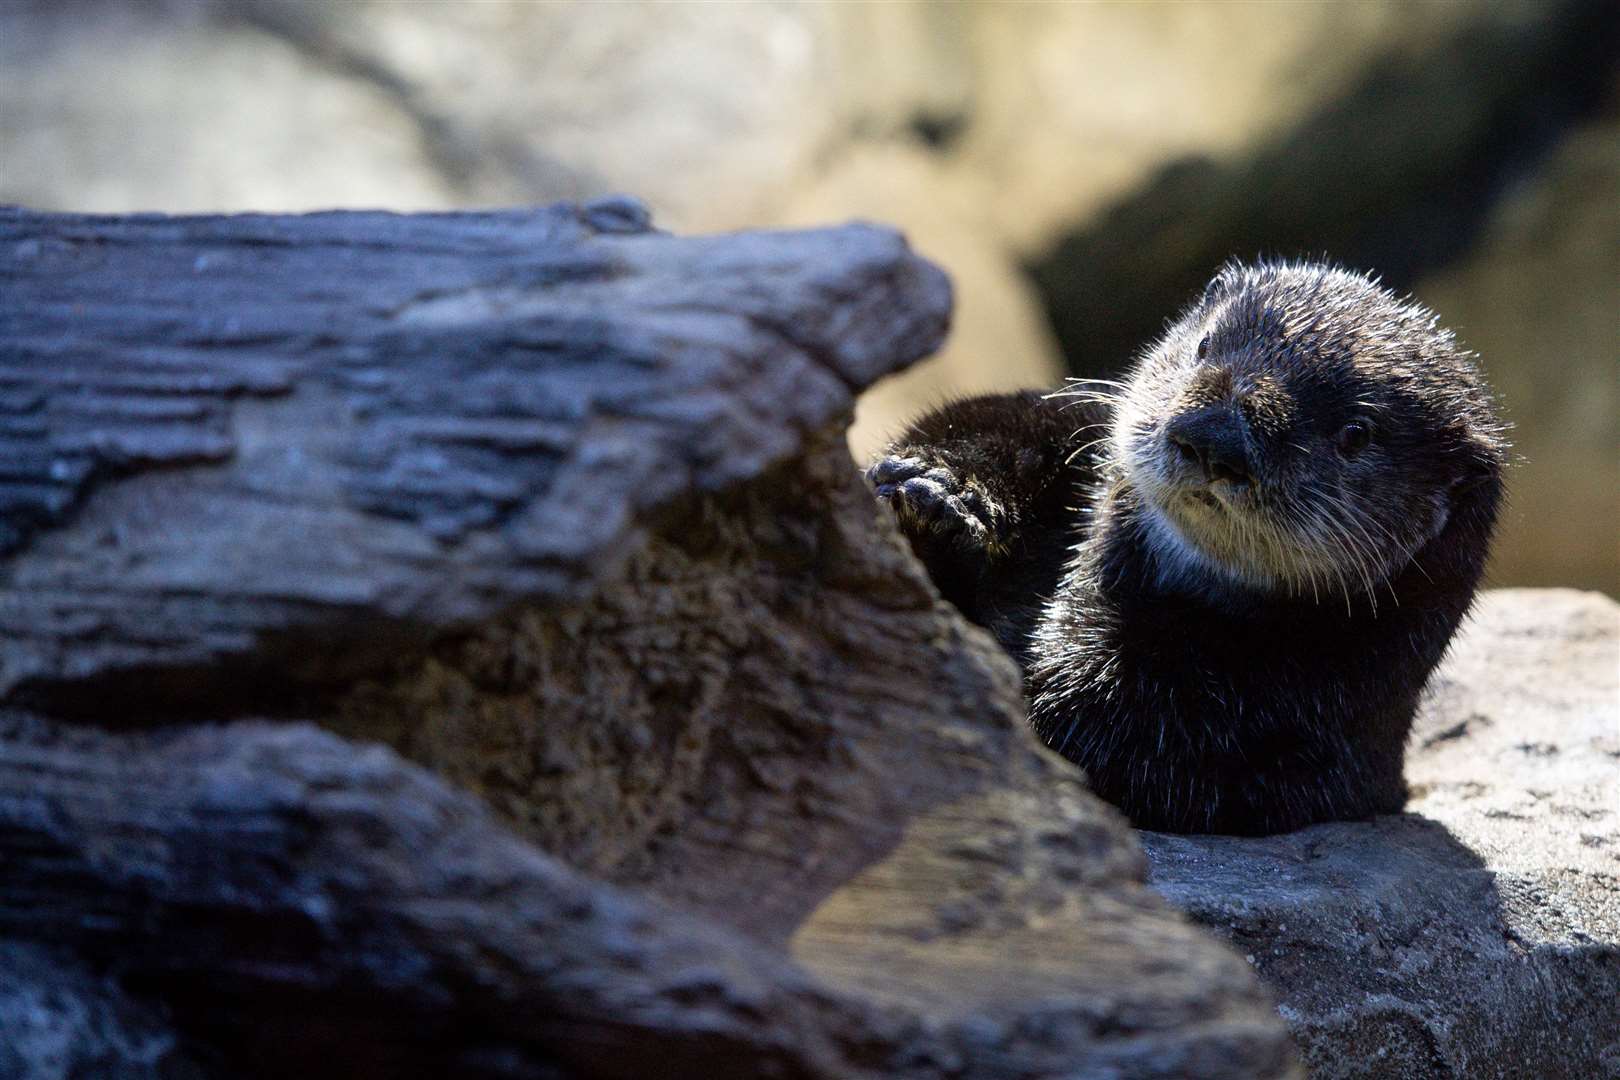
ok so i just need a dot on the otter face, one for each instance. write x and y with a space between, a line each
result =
1301 429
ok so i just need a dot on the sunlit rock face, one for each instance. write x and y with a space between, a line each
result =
1477 934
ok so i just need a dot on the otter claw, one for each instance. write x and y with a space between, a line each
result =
931 497
890 471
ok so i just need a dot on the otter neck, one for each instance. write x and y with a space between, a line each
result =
1139 551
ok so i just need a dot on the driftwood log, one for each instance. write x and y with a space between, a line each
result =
461 645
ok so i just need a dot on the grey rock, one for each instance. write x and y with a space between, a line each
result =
1478 934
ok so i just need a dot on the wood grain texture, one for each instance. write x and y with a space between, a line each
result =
303 906
649 749
227 437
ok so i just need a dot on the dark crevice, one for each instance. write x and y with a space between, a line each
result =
294 675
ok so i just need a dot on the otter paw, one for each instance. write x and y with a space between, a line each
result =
930 499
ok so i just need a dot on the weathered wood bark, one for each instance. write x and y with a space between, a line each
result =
284 885
557 507
413 422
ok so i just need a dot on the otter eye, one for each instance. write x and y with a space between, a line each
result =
1353 437
1203 346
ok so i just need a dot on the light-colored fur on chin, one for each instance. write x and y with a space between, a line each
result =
1211 552
1236 555
1181 566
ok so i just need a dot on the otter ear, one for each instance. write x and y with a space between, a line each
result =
1479 462
1473 477
1223 281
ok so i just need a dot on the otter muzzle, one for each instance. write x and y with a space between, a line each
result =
1212 440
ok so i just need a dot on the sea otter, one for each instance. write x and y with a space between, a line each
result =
1228 577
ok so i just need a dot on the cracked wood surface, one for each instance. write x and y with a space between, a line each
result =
288 441
558 508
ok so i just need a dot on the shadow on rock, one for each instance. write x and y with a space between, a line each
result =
1395 954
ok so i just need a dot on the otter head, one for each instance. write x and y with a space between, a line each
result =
1301 429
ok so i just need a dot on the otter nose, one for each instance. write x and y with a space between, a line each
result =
1212 438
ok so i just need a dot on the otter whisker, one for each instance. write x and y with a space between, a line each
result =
1079 450
1339 523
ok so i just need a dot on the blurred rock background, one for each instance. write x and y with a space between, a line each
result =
1080 169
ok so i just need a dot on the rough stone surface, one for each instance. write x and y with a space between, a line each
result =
754 707
1478 934
754 801
294 896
